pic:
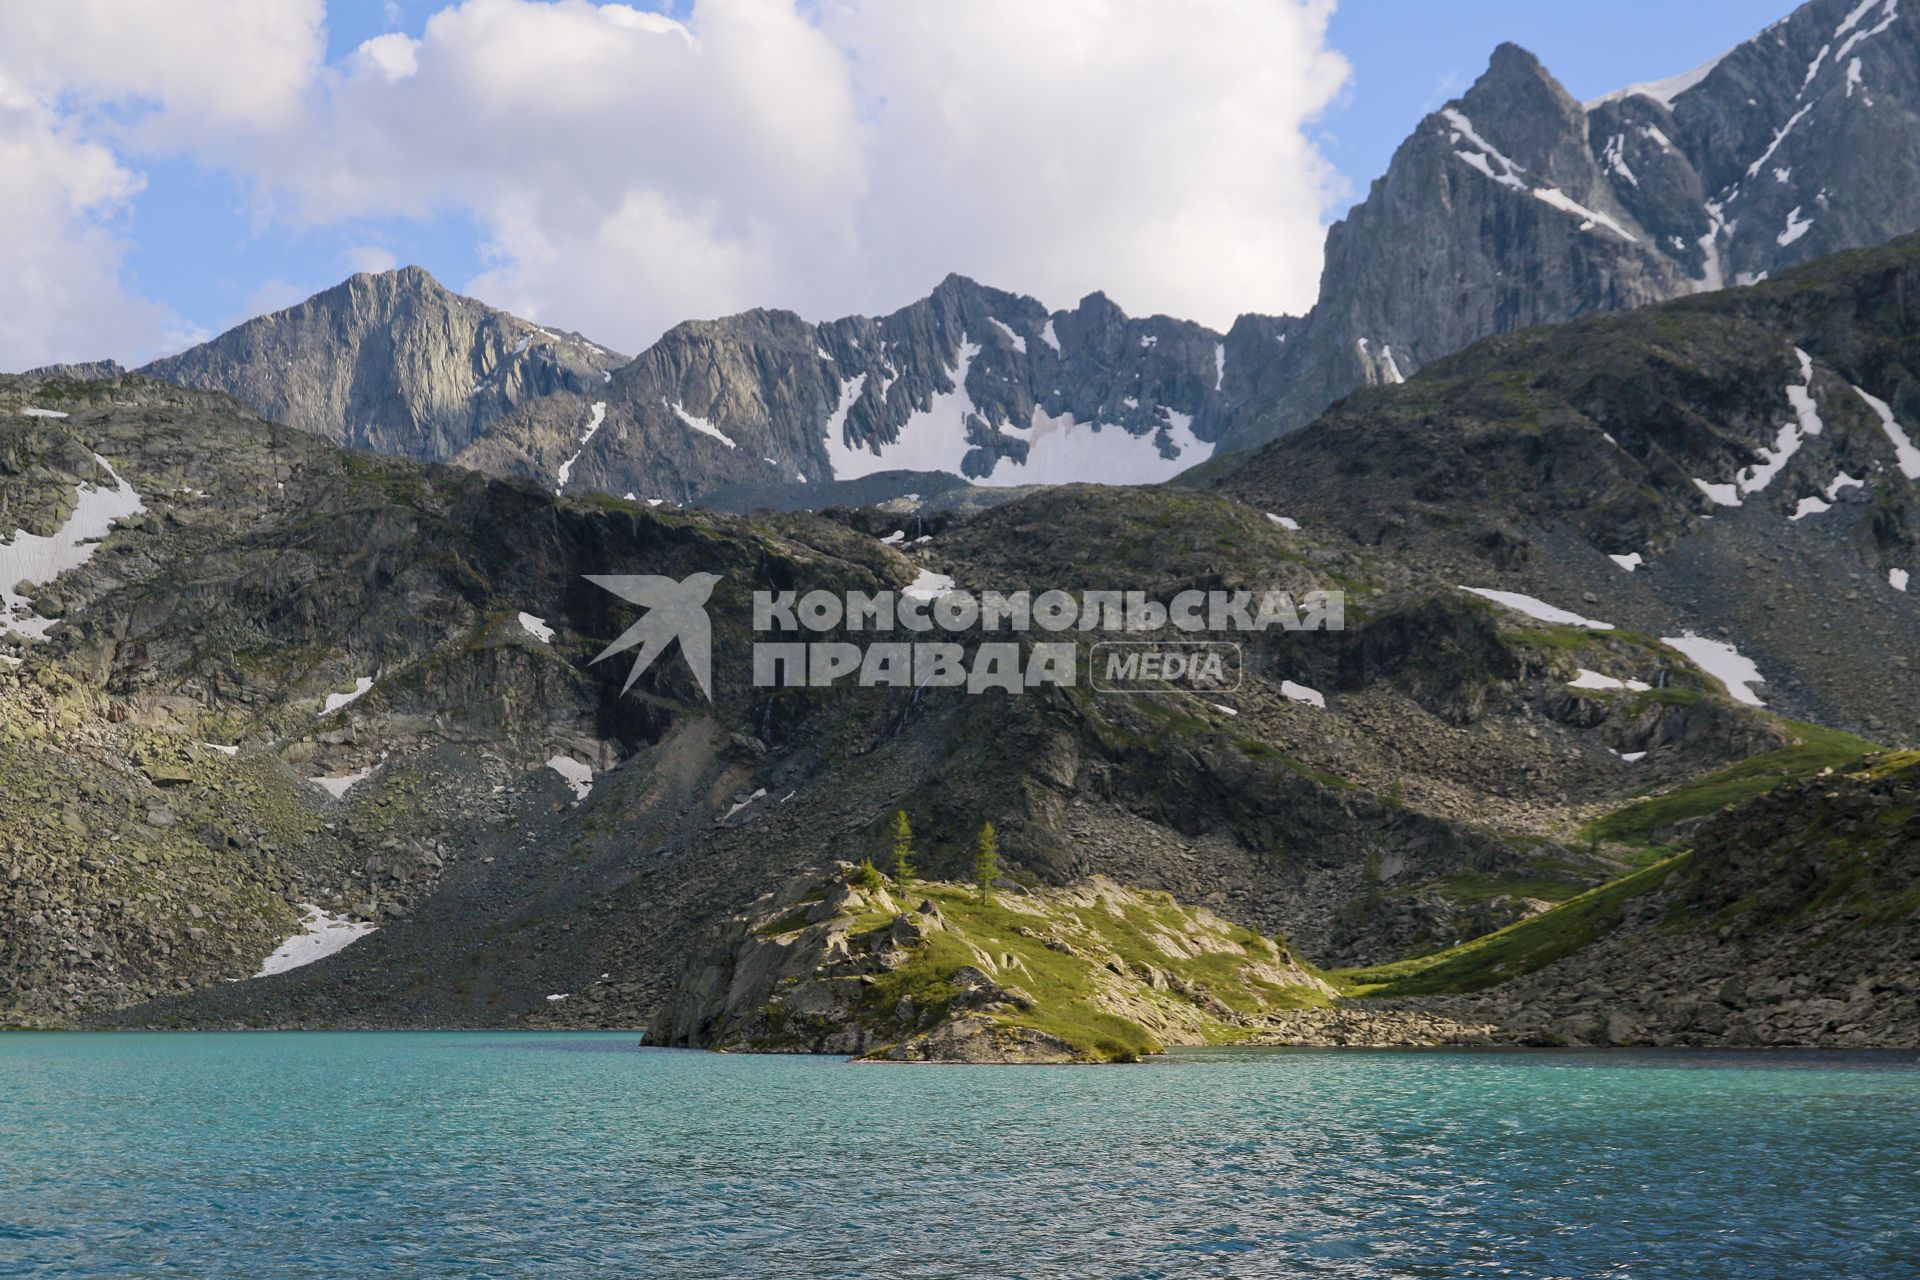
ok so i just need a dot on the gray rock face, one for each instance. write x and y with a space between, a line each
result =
1514 205
1509 207
969 381
1740 465
392 363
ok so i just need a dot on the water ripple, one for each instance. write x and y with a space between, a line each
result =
497 1155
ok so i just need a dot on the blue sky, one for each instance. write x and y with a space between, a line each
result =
226 226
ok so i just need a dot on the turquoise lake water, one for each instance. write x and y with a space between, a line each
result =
349 1155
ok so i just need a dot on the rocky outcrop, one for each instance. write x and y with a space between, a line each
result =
1091 972
1494 215
392 363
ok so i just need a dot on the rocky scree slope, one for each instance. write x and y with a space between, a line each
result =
1741 467
294 674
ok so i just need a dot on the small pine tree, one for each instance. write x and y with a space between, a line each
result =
902 849
867 876
986 863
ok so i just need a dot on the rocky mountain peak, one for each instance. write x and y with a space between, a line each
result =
392 362
1514 205
1537 122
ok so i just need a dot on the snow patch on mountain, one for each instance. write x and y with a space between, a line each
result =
594 419
1019 343
1662 91
928 585
1724 495
1539 609
1889 11
1906 456
338 785
1589 217
1786 442
932 439
322 934
1721 661
1301 693
1585 679
335 701
1488 159
1713 270
578 774
1063 450
1389 370
1779 137
1855 82
31 560
1796 227
1614 153
704 426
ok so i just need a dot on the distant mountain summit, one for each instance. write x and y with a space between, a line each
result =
392 363
969 381
1514 205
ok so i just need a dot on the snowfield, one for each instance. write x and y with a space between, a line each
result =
32 560
324 935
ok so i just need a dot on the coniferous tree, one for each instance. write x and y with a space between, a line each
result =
986 862
902 849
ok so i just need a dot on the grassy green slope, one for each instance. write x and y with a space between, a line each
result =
1634 826
1517 949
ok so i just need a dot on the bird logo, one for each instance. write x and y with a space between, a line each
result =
675 611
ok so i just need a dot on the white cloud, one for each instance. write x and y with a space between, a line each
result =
370 257
209 68
629 171
60 252
1152 150
394 56
85 85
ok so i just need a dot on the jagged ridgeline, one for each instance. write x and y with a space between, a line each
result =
1512 205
